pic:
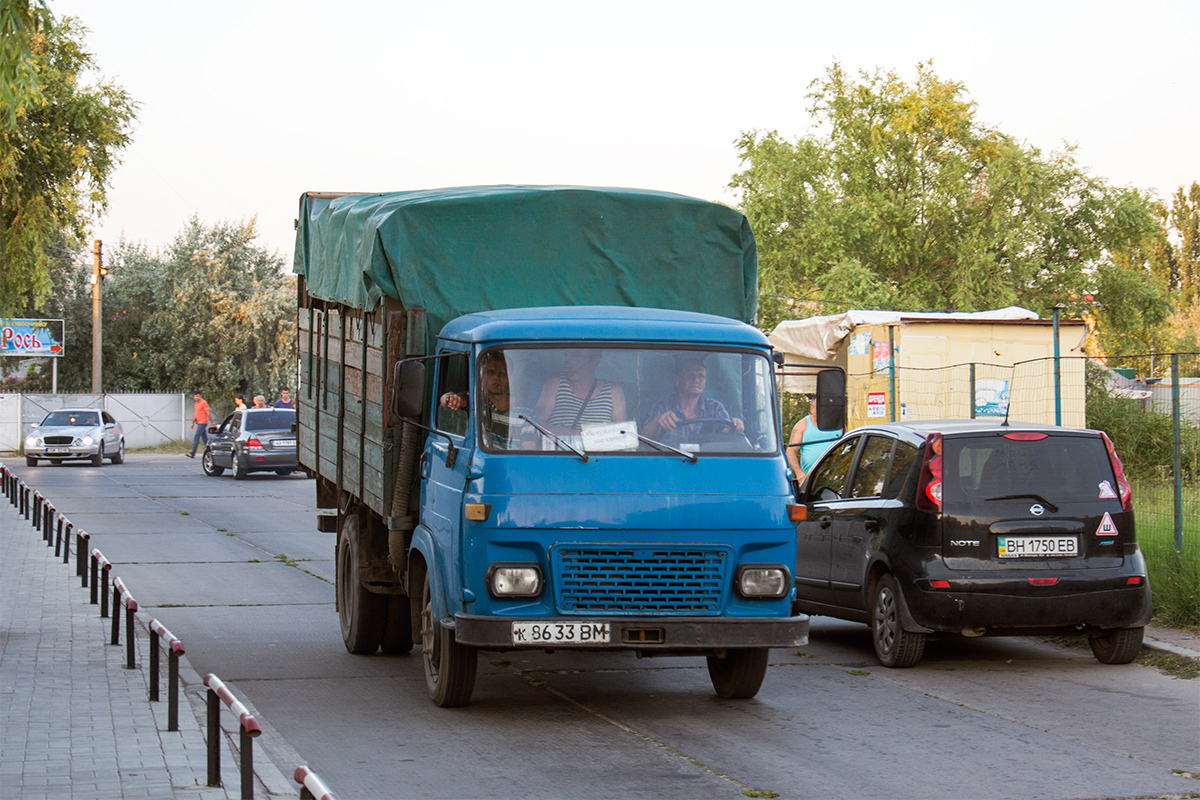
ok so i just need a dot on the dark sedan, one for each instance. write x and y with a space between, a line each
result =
973 528
253 440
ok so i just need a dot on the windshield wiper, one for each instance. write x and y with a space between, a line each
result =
1031 496
663 446
556 439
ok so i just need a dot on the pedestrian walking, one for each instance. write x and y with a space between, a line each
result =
200 420
260 401
285 399
239 402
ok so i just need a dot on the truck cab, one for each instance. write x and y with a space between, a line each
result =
599 478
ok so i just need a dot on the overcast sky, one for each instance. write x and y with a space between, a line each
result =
247 104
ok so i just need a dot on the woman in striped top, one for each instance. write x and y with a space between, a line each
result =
576 397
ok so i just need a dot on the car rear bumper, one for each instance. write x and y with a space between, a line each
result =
1008 603
649 634
266 460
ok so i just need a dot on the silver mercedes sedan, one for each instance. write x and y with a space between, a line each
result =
75 434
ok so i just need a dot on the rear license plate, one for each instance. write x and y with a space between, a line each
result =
58 451
284 442
1038 546
560 633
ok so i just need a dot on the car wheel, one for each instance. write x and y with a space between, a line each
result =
739 675
30 461
210 466
360 612
1117 647
239 471
119 456
449 666
98 459
894 646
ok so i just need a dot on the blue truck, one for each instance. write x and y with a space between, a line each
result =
539 418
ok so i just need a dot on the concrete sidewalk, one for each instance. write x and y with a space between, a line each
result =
74 722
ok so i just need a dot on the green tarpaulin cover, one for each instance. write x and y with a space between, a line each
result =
456 251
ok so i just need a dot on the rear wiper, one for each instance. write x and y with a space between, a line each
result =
556 439
1031 496
663 446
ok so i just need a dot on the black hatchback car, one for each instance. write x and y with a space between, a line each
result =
253 440
974 528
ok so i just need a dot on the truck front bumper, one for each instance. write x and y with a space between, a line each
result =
648 634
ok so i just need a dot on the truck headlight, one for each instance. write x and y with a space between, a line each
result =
771 581
514 580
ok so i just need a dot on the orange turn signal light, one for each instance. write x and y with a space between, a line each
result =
478 512
797 512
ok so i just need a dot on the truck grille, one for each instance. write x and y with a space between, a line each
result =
633 579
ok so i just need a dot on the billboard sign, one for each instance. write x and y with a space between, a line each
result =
28 338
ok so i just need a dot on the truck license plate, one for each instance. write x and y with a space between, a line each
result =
1038 546
560 633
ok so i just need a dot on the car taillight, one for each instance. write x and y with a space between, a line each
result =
1123 487
1026 436
255 443
929 489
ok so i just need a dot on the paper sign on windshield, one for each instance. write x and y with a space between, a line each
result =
611 436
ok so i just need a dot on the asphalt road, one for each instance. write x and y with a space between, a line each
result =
239 572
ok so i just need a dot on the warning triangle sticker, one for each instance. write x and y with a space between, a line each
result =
1107 526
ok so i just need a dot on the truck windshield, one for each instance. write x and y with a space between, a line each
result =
626 399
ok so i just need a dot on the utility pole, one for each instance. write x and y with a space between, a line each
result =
98 273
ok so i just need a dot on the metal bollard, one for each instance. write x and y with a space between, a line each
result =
174 650
64 529
81 543
311 786
37 511
58 526
48 525
217 692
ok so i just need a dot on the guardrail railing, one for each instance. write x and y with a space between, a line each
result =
218 693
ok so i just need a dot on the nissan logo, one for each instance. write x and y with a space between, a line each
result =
1037 510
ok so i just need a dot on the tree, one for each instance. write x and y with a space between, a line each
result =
904 198
57 158
214 311
18 76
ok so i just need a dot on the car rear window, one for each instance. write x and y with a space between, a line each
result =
277 420
1059 468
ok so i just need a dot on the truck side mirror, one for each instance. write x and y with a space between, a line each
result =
409 388
831 400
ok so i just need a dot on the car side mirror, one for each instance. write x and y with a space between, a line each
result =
408 388
831 400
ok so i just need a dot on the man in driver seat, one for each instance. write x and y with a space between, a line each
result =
667 421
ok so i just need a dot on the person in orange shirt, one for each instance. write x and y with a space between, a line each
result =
200 419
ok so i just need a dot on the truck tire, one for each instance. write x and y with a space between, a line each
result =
739 675
449 666
360 612
397 633
894 646
1117 647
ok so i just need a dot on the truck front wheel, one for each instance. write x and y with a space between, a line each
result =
362 613
449 666
739 675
